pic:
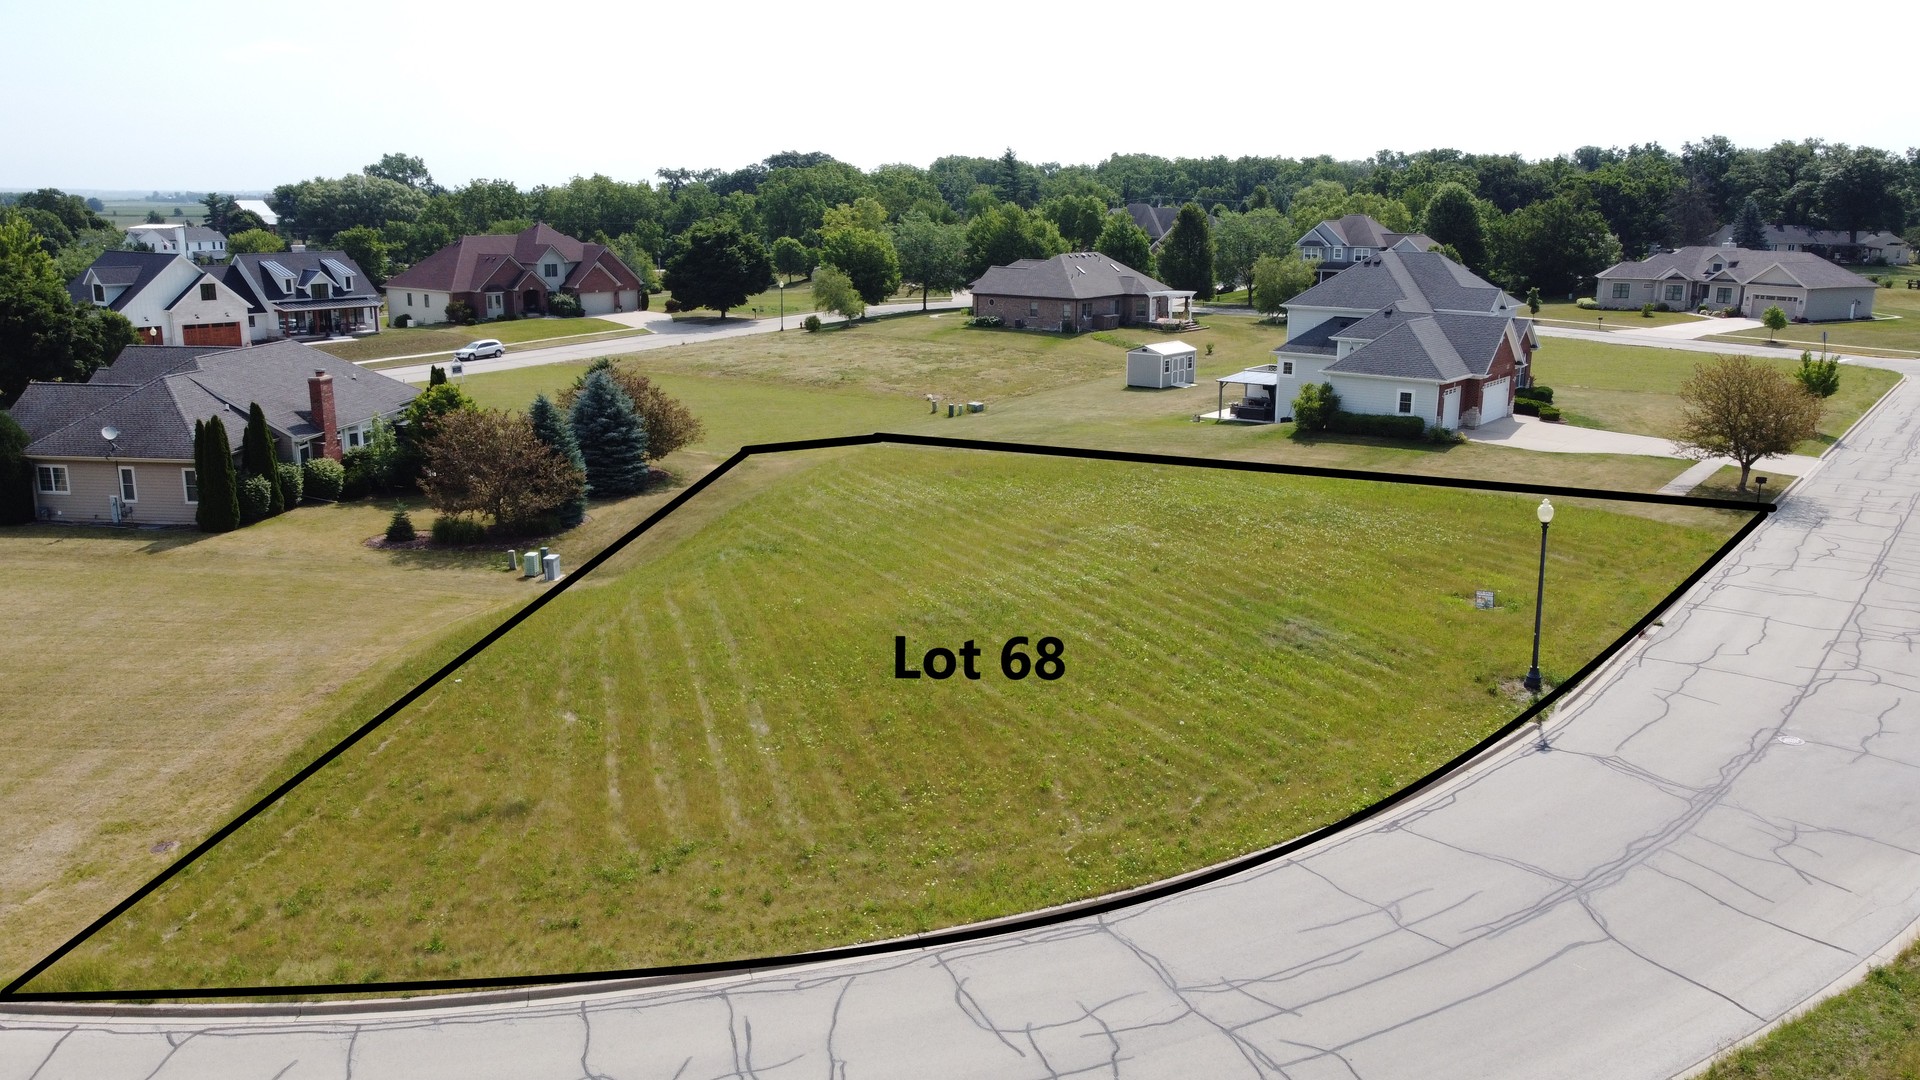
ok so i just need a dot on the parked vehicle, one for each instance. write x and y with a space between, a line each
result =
480 350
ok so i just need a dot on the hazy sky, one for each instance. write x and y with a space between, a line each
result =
232 96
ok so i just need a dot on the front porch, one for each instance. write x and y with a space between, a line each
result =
319 323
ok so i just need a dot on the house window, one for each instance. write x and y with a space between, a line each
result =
1406 403
249 322
1286 367
1675 292
1086 310
1723 295
1361 253
1622 290
1033 307
1140 308
409 299
1310 252
53 479
348 284
190 482
356 436
306 452
319 290
127 492
207 291
1166 366
99 293
1717 267
549 270
1333 253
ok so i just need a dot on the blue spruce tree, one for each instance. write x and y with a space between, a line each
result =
612 440
551 428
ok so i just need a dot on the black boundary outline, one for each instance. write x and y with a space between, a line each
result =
936 939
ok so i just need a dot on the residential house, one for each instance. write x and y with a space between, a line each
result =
305 294
169 299
1802 284
1405 332
1081 291
1867 247
119 447
196 242
511 275
1155 221
173 301
1341 242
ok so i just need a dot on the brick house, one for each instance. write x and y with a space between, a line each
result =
1081 291
501 275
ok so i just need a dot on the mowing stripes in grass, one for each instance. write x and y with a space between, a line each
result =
1249 656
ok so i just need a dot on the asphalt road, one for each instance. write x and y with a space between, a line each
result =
1721 829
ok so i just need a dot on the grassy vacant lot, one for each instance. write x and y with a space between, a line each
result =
417 341
1626 388
1566 313
1900 336
799 301
704 753
1871 1032
123 213
174 671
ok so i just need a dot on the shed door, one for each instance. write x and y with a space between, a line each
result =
1494 399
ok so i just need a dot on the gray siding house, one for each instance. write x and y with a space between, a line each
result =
1338 243
1804 285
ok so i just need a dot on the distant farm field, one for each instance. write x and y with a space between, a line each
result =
702 751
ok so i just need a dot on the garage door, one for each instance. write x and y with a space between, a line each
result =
222 333
596 303
1493 399
1759 302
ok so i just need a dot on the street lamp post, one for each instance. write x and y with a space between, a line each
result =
783 307
1545 514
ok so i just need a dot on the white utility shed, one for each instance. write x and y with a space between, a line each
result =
1169 363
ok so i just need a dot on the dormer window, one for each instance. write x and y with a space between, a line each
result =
1716 267
318 290
348 284
99 293
550 270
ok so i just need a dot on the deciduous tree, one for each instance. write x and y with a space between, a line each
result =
1240 240
1125 243
792 258
254 242
366 248
1453 217
932 255
834 291
43 334
491 462
1278 279
720 267
1737 408
1186 252
1078 217
668 422
1553 245
1774 319
866 256
1005 234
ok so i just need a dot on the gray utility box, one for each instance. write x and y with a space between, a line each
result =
532 564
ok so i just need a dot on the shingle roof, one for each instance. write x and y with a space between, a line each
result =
139 364
1696 263
473 263
1082 275
135 269
1423 278
1431 318
1801 234
1155 221
1362 230
263 279
156 417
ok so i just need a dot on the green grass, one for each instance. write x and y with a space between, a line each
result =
1637 390
122 213
1871 1032
1725 484
1897 335
798 300
417 341
702 752
1566 313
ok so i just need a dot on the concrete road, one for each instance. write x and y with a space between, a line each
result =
666 333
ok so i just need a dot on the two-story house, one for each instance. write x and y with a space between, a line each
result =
512 275
169 299
196 242
1341 242
1406 332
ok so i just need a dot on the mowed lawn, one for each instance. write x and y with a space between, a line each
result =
173 672
417 341
796 300
1900 336
1870 1032
1628 388
704 753
1567 313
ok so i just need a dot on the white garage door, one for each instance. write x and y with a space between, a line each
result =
596 303
1493 399
1759 302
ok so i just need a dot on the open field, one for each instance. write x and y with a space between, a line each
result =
415 341
1627 388
1567 313
703 751
123 213
1871 1032
798 301
175 671
1899 335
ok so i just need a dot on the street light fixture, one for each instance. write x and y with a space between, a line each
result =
783 307
1545 513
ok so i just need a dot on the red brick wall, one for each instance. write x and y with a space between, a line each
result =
1012 308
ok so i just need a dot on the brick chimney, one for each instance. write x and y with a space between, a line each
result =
320 394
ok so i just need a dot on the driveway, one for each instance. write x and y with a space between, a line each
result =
1531 433
1697 328
1718 830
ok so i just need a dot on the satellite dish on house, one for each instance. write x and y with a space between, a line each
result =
109 433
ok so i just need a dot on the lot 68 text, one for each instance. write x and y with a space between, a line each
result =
938 663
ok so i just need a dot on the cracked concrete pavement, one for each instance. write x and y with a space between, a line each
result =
1724 827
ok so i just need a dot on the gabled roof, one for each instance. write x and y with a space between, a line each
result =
1696 264
1155 221
472 262
594 256
1396 276
1801 234
156 416
134 269
1082 275
139 364
263 275
1362 230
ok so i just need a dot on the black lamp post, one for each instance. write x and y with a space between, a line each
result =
1545 514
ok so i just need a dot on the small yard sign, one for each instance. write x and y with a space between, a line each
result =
1483 599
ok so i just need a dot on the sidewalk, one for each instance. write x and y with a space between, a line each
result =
1531 433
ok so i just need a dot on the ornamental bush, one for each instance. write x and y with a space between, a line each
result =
1315 407
256 499
1586 303
1385 427
322 478
811 324
457 531
400 528
565 305
986 320
291 489
1526 406
1535 393
1646 309
1550 414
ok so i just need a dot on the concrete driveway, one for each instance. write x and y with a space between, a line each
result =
1531 433
1721 829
